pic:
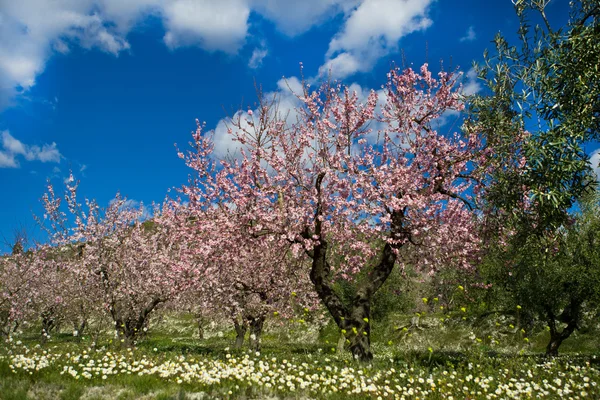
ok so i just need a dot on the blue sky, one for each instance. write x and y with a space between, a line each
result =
106 87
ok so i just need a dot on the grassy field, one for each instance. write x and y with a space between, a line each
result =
299 361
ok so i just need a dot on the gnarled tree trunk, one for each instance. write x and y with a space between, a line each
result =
49 322
569 316
200 323
129 327
80 323
354 319
256 327
241 326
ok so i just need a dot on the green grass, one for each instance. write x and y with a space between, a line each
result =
450 353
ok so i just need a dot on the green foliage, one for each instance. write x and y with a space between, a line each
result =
550 87
397 295
543 106
553 277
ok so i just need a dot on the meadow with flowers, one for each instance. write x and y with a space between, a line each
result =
299 360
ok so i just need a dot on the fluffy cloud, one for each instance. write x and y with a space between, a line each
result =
296 17
12 148
212 25
134 205
471 84
258 56
372 31
7 160
343 65
126 14
286 95
33 30
469 36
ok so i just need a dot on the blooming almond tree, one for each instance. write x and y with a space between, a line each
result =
278 282
350 184
131 265
19 277
236 275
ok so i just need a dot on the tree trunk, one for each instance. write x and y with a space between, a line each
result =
360 340
240 331
5 323
552 347
79 327
200 322
130 327
48 323
129 332
353 319
200 328
129 339
79 324
256 327
556 337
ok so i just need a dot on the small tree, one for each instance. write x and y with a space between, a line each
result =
129 266
243 278
19 275
548 84
553 277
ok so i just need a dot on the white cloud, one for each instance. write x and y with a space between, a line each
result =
290 87
343 65
296 17
12 148
470 35
372 31
48 153
7 160
287 93
471 84
594 162
125 14
11 144
212 25
33 30
258 56
225 146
